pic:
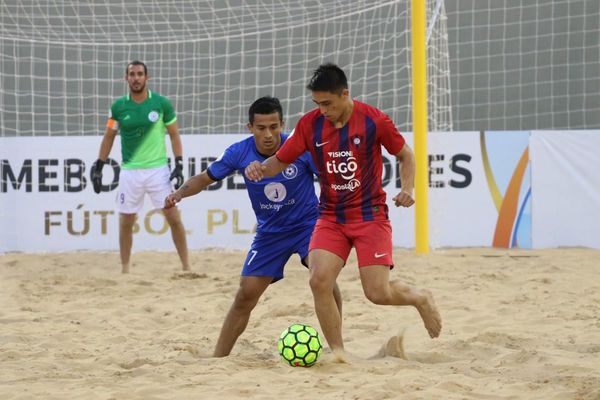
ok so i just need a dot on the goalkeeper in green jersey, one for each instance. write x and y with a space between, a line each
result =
143 118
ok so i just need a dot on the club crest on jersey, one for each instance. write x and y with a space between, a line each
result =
291 171
153 116
356 140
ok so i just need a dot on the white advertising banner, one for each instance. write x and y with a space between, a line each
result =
48 204
566 180
461 210
478 196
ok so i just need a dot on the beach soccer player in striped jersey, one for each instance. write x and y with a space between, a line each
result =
345 137
285 206
143 118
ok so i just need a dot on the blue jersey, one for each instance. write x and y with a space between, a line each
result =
282 203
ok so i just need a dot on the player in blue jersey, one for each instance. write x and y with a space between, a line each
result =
285 205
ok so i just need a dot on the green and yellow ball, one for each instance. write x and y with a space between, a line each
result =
300 345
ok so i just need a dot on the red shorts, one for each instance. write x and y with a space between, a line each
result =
372 240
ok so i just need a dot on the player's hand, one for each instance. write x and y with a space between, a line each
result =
254 171
97 175
172 200
177 172
404 199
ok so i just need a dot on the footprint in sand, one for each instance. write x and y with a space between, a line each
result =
138 362
188 276
144 283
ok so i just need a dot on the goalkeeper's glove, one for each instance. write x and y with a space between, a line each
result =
177 172
97 175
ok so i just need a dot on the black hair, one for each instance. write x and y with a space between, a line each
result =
328 78
136 62
265 105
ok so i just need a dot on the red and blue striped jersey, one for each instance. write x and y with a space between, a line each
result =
348 161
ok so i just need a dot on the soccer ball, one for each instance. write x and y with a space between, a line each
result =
300 345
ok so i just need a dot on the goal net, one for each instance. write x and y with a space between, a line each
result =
522 65
62 62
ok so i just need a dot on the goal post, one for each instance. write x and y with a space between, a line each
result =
419 88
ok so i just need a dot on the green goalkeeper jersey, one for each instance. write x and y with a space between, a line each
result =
142 127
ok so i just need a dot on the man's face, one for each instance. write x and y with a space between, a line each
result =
333 106
136 78
267 129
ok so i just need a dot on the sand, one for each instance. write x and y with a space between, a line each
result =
517 325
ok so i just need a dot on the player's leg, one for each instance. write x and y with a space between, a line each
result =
324 270
248 294
329 249
159 187
373 243
337 296
130 199
178 234
126 222
380 290
302 250
264 265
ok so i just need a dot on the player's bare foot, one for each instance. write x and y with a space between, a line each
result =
430 314
125 269
340 356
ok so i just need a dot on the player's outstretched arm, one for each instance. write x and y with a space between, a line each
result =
407 176
256 171
191 187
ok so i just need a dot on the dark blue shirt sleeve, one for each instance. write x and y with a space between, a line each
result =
225 165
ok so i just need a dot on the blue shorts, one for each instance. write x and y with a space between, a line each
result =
271 251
